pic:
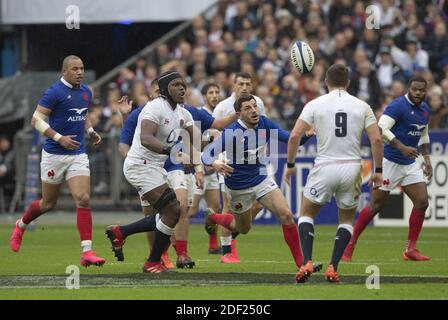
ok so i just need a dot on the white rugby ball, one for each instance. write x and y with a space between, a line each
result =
302 57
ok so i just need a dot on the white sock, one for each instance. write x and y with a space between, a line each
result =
22 225
86 245
226 241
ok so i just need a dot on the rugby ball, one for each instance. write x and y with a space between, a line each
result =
302 57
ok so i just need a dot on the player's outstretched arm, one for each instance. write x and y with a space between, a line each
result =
293 145
222 123
195 147
376 143
39 122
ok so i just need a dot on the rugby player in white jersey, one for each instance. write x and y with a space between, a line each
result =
339 120
157 131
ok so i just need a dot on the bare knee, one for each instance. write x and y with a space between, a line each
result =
421 204
376 207
171 213
285 217
243 229
83 200
47 205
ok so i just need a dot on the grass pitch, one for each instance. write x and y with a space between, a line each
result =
266 270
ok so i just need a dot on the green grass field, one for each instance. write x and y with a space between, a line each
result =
266 271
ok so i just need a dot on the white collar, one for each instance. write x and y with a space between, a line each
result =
244 125
407 98
66 83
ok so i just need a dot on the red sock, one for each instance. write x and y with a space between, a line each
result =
84 222
212 241
181 247
365 216
291 235
233 248
415 226
223 219
32 213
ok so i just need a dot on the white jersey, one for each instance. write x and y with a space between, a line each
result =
225 107
169 121
339 119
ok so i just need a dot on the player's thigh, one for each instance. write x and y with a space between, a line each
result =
80 189
393 174
212 199
319 186
276 202
53 167
418 193
348 188
240 201
50 194
346 215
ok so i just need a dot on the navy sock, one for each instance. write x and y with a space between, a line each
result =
306 234
342 238
148 223
161 240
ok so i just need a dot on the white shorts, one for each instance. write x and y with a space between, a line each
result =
211 182
343 180
242 200
144 177
175 179
404 174
55 167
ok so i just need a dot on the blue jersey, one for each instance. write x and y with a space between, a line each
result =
127 133
68 114
410 121
245 148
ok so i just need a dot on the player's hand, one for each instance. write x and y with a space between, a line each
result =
95 137
199 179
409 152
69 143
290 172
376 180
222 168
427 169
311 132
124 106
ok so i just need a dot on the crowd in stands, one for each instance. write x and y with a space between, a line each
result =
255 36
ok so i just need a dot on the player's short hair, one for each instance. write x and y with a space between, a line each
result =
417 79
208 86
243 98
245 75
67 59
337 75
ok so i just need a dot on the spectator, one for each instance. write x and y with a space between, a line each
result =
365 85
6 161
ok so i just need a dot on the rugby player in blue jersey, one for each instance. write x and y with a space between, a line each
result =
61 115
245 172
404 126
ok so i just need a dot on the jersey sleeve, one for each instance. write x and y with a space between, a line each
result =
369 118
206 120
219 111
49 99
307 114
153 113
127 133
212 151
283 135
188 118
393 111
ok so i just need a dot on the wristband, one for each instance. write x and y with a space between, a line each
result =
90 130
291 164
57 137
198 168
166 150
378 170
